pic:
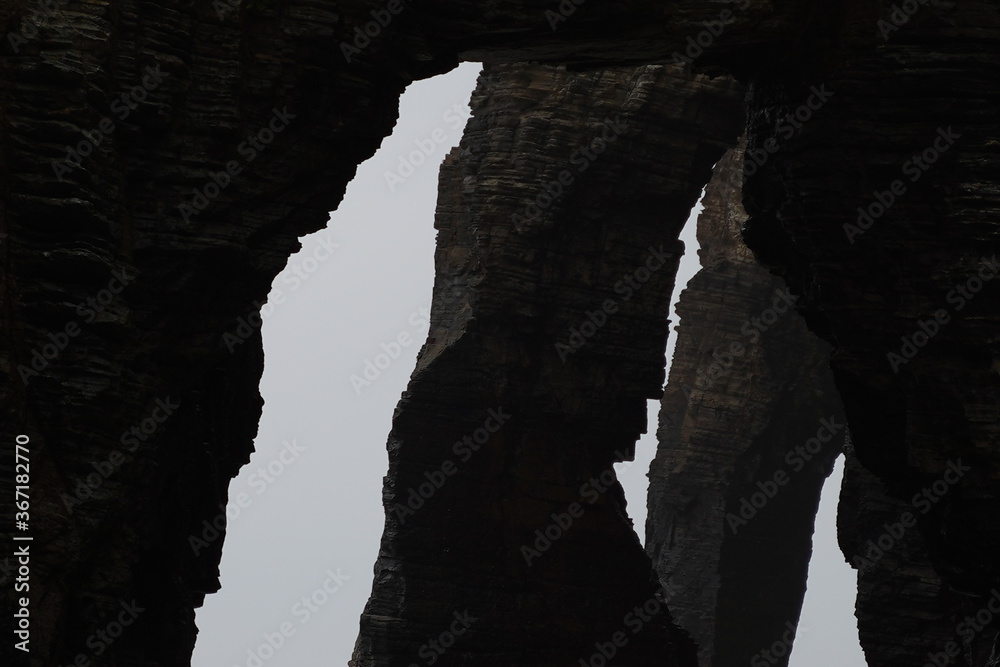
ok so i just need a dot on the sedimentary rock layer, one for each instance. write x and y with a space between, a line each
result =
881 211
750 424
131 178
555 263
900 593
159 162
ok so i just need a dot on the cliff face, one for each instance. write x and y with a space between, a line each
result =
750 425
161 159
159 163
900 592
867 213
557 251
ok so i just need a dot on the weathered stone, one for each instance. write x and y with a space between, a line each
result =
750 425
900 593
138 221
555 264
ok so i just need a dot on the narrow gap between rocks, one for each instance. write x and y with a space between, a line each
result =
827 626
632 474
305 515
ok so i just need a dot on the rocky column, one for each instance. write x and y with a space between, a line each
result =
750 425
558 220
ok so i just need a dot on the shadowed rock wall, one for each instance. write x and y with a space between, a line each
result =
879 212
900 594
873 196
556 257
158 163
750 425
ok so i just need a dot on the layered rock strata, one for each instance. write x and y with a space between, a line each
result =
556 257
750 425
900 593
159 161
873 128
879 211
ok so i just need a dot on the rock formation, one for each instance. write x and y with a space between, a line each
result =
557 251
750 426
160 160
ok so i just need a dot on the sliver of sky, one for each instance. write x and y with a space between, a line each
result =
828 630
323 510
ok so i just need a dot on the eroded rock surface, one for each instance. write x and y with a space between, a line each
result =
159 162
555 264
750 425
850 106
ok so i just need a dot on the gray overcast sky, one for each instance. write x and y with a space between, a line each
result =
306 512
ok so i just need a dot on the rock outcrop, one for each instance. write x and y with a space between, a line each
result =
900 593
867 212
160 160
557 251
750 425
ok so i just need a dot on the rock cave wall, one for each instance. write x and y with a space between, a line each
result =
851 106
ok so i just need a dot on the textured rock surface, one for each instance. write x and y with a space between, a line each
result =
79 233
552 309
937 401
899 83
736 480
900 594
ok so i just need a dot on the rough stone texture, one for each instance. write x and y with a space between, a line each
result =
556 314
894 87
188 281
891 100
737 475
899 592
